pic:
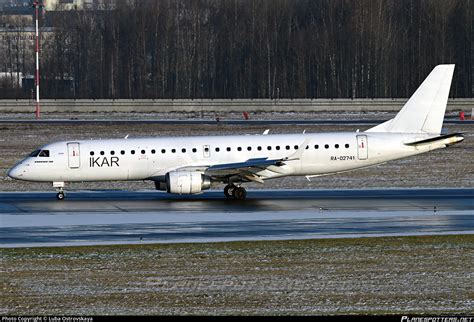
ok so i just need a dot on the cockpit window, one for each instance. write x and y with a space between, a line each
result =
44 153
35 153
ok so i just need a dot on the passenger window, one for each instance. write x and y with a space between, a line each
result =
269 148
316 147
132 152
307 147
347 146
296 147
287 147
336 146
122 152
277 147
173 150
163 151
228 149
249 148
102 152
239 149
143 151
153 151
183 150
194 150
35 153
259 148
112 152
326 146
44 153
218 149
91 153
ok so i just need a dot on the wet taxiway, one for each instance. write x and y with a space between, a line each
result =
31 219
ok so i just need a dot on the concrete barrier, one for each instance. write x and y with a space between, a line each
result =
218 105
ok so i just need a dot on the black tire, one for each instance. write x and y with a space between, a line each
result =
60 196
239 193
228 190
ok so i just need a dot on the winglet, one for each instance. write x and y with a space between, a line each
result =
299 153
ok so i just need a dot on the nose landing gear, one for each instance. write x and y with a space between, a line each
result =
60 189
60 195
236 192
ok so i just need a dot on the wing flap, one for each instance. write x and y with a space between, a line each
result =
257 162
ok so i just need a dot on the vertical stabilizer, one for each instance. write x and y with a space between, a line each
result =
424 111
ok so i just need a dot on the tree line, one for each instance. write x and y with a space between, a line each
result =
258 48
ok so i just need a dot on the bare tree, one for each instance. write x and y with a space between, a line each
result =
253 48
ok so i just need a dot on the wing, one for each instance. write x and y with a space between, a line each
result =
255 169
250 170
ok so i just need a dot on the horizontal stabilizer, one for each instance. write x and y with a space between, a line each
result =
450 139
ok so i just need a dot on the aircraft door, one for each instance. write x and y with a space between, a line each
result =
73 152
362 147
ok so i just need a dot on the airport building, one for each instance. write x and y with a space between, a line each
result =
17 47
17 42
59 5
62 5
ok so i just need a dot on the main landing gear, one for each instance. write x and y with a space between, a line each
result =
236 192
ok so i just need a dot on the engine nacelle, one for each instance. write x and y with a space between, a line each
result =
186 182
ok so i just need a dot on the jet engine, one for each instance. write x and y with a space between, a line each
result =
186 182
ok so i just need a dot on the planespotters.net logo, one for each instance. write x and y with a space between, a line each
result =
437 319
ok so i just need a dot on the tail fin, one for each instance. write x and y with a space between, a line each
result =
424 111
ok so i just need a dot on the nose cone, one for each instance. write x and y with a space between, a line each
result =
16 172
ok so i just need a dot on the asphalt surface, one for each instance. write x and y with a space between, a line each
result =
122 217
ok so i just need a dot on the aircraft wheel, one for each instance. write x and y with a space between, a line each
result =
239 193
228 190
60 195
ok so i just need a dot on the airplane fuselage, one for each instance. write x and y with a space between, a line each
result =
148 158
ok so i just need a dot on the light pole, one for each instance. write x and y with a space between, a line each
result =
37 4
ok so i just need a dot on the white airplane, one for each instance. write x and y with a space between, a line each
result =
189 165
